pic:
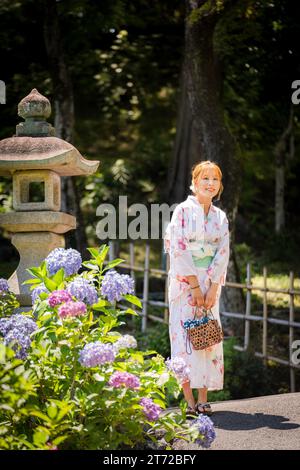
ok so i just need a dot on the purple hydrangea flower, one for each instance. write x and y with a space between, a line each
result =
18 321
125 342
19 342
179 367
83 290
70 260
58 297
16 331
114 285
5 326
206 429
120 379
35 294
72 309
97 353
150 409
3 285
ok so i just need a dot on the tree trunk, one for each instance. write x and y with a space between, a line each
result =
204 86
64 116
202 133
187 150
280 153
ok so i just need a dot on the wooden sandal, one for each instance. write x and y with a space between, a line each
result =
191 412
204 409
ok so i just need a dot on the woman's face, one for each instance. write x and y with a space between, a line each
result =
208 183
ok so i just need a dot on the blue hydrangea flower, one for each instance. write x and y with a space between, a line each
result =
178 366
16 331
83 290
18 321
125 342
150 409
37 291
205 427
114 285
19 342
97 353
3 285
70 260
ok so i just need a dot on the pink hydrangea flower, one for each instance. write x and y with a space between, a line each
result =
72 309
120 379
58 297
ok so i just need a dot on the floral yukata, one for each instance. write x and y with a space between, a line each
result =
198 245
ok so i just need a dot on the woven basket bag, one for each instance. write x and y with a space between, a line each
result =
206 335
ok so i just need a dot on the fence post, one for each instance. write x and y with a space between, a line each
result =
291 332
248 308
146 287
131 251
132 274
111 253
265 318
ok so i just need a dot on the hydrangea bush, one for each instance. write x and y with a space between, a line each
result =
8 301
69 379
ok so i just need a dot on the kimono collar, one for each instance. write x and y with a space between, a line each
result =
193 201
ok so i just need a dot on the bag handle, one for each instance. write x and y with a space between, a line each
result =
208 312
188 344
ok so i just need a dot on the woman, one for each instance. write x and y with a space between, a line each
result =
197 240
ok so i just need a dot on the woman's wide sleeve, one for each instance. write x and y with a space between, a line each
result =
218 268
176 242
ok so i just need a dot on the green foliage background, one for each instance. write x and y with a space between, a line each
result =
125 58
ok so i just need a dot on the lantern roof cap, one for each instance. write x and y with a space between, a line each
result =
35 146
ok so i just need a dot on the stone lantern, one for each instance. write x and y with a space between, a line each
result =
37 159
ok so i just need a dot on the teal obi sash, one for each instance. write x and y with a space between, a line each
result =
202 262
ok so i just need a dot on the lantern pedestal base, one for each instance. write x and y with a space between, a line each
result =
33 248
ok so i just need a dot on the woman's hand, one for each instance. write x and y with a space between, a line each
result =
198 297
211 296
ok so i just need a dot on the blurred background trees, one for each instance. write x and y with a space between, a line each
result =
119 78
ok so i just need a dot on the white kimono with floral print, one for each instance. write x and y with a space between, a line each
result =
198 245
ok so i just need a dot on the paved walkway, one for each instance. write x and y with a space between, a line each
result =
268 423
